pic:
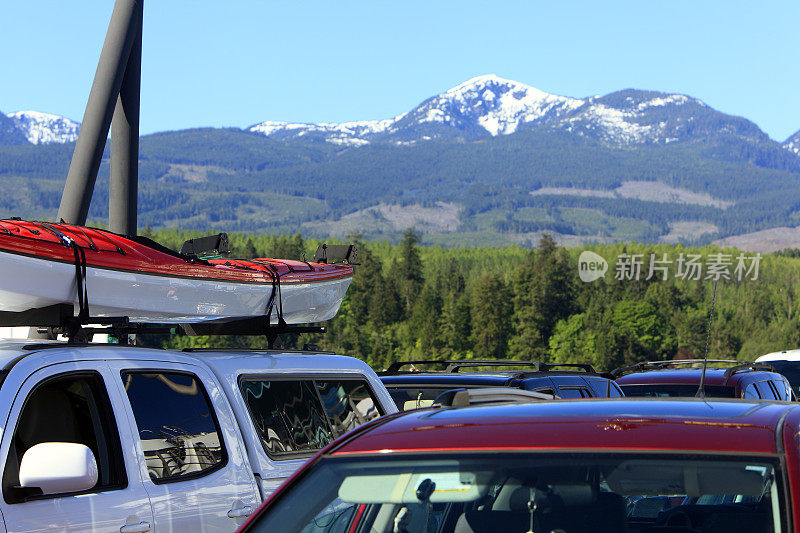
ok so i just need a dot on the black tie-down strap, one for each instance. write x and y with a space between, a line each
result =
83 294
275 297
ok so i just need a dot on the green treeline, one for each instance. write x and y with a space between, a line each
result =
409 301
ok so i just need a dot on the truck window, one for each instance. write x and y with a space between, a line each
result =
782 391
287 415
177 426
70 408
574 392
750 392
348 404
301 416
603 388
765 391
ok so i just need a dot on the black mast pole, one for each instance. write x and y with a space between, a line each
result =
123 31
122 200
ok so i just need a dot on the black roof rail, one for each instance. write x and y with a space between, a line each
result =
656 365
466 397
258 350
746 367
453 366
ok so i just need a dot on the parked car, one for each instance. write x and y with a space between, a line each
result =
102 438
787 363
579 466
411 388
681 378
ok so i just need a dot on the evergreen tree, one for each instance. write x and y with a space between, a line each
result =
456 323
424 321
490 315
249 251
544 293
409 270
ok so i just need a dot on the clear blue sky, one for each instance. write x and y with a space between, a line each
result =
240 62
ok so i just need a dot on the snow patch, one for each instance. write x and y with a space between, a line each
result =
45 128
346 141
672 99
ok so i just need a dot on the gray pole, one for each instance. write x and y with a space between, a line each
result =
88 152
122 200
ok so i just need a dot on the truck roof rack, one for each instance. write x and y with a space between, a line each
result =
60 319
659 365
454 366
466 397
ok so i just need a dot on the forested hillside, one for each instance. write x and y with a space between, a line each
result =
504 189
409 301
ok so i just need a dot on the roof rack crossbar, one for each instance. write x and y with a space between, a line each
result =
453 366
729 372
581 366
654 365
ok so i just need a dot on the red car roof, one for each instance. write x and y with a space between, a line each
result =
622 424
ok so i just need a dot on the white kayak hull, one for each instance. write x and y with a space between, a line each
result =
31 283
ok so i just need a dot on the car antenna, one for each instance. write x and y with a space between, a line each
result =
701 391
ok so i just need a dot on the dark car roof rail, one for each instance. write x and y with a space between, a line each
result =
746 367
466 397
453 366
656 365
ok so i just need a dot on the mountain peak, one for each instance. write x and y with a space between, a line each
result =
501 85
496 105
45 128
483 80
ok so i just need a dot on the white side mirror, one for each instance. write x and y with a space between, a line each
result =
58 467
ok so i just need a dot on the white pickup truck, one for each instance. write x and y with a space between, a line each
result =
115 438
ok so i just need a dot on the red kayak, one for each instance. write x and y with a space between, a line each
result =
149 283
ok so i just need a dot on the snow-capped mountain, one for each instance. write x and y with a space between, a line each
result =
491 106
793 143
44 128
486 105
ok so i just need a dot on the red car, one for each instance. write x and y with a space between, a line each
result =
599 466
682 379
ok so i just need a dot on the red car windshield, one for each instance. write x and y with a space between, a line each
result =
517 492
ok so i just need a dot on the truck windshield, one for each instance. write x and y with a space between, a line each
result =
517 492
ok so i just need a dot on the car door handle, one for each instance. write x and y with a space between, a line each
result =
240 512
141 527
